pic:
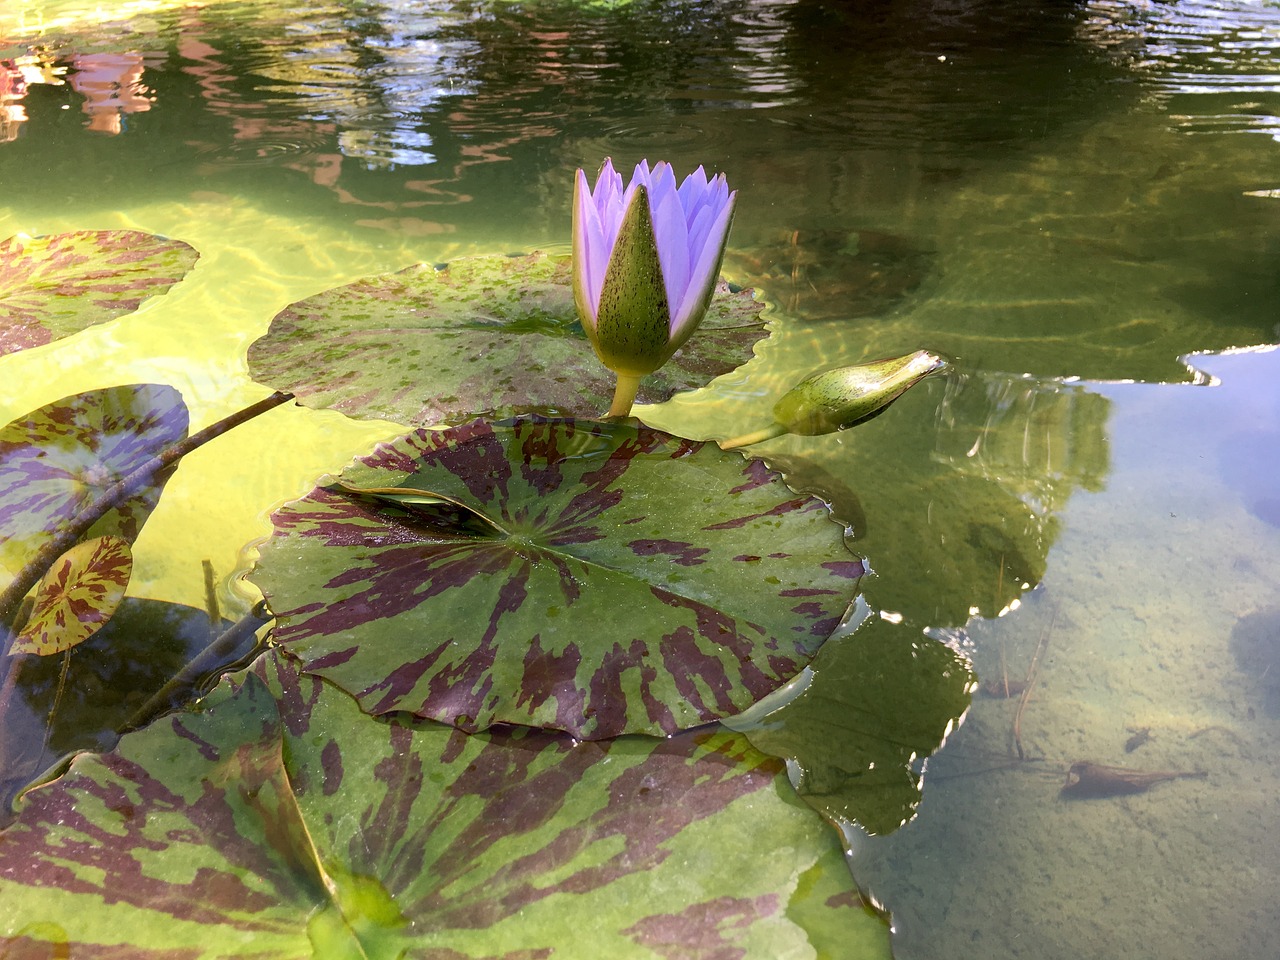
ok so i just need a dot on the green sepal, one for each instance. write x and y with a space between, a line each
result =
632 334
834 399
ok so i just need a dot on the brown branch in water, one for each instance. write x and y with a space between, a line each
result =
66 538
209 659
211 597
108 500
1030 683
1004 672
1218 728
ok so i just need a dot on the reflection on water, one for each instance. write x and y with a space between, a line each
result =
1037 439
1213 63
955 492
116 679
111 84
1014 186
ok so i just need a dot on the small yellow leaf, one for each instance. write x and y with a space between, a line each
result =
77 596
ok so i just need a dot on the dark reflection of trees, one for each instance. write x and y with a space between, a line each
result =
946 76
399 108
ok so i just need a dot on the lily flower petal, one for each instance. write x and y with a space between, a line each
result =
683 233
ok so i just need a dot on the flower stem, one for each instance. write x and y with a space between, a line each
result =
768 433
624 395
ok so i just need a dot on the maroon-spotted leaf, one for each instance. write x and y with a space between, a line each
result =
58 459
483 336
77 596
604 578
279 822
57 285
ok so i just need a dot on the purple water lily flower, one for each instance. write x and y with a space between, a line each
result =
645 263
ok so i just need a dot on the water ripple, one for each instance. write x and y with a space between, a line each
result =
1214 64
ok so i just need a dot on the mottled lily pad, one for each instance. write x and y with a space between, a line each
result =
57 285
57 460
278 822
484 336
77 596
605 578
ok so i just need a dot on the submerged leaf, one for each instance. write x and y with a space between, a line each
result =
279 822
77 596
605 579
857 736
57 285
490 336
57 460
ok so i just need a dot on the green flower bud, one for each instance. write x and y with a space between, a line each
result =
835 399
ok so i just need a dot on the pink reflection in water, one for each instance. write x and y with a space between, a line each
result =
111 86
16 77
13 88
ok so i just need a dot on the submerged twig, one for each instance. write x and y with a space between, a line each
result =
211 598
11 598
1225 731
53 708
203 663
1030 683
109 499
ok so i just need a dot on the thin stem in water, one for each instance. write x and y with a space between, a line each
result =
768 433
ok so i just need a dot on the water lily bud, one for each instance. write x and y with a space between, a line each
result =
645 261
834 399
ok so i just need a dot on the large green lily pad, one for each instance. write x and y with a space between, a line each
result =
484 336
605 578
279 822
57 460
57 285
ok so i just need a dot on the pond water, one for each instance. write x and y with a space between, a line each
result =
1066 200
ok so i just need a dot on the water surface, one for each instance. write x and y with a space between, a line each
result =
1061 200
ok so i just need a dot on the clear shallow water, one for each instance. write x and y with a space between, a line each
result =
1074 192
